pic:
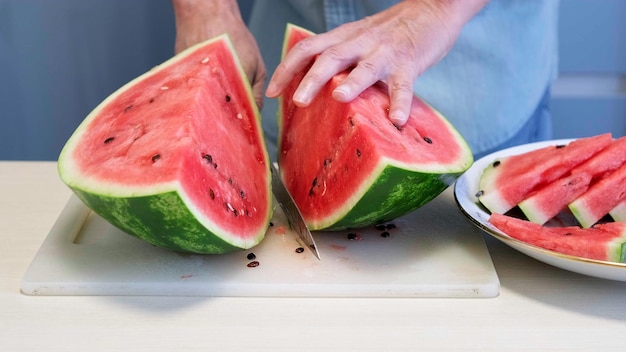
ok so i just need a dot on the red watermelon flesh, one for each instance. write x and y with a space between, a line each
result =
547 201
602 242
346 165
177 157
601 198
509 180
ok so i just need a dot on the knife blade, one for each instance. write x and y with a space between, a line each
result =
294 217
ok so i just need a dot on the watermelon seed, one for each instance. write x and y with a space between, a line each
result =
251 256
567 234
496 163
253 264
242 194
151 100
299 250
353 236
358 153
109 140
327 162
560 146
227 98
271 224
351 122
128 108
156 157
479 193
428 140
230 180
314 182
211 194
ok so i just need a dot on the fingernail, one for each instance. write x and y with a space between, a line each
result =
398 119
301 96
341 93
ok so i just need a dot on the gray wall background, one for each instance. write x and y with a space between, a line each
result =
60 58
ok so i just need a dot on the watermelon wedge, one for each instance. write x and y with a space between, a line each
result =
176 157
510 180
546 202
602 197
605 242
346 165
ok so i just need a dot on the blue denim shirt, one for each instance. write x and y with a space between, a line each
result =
492 85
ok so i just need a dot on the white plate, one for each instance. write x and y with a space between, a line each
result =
465 194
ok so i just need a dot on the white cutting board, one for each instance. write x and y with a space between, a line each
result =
433 252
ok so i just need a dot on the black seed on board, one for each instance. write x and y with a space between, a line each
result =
385 234
253 264
496 163
299 250
128 108
391 226
381 227
251 256
358 153
227 98
109 140
479 193
428 140
353 236
156 157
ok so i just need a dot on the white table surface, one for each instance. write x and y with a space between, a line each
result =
539 307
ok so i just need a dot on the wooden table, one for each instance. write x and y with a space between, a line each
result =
539 307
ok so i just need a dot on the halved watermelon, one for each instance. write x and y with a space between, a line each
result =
602 242
547 201
176 157
509 180
601 198
346 165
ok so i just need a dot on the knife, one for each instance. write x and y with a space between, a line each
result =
294 217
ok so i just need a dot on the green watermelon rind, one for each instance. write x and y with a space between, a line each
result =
619 212
145 212
401 191
161 220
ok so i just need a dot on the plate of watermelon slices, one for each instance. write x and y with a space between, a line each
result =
563 233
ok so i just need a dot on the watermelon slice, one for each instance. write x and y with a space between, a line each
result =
346 165
601 198
545 203
605 242
509 180
176 157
